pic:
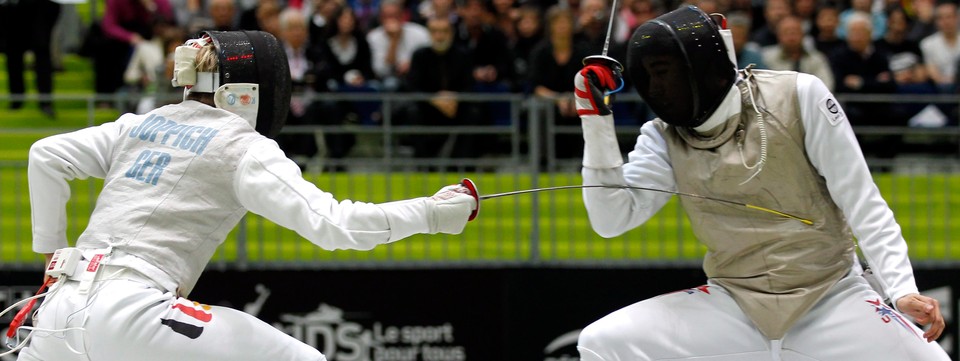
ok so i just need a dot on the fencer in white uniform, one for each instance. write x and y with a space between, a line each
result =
779 287
176 181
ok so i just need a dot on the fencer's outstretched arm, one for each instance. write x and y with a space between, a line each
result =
53 162
833 149
615 211
271 185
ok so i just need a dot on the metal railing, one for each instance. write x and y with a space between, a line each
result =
547 229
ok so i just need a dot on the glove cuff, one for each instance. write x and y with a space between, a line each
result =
600 147
450 215
409 217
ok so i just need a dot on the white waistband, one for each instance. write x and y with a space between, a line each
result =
94 269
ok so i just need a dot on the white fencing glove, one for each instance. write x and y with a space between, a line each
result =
600 147
454 204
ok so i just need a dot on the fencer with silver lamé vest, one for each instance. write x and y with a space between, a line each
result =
774 267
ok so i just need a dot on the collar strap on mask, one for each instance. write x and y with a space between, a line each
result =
207 82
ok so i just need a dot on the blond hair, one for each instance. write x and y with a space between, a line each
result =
207 58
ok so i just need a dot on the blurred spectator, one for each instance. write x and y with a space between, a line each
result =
941 50
442 69
911 78
125 24
268 17
922 17
747 52
392 44
367 12
553 63
223 14
323 21
304 68
489 52
166 93
505 14
529 35
145 68
28 25
248 17
878 19
806 11
859 68
744 6
487 47
159 91
591 35
308 66
186 12
347 54
437 8
774 11
895 41
219 15
884 5
790 54
826 40
573 5
636 12
591 28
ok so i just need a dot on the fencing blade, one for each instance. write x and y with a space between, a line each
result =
683 194
603 59
613 13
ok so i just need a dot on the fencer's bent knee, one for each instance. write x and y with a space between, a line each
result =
588 341
597 336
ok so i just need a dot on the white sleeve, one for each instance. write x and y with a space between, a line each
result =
833 149
53 162
615 211
378 48
271 185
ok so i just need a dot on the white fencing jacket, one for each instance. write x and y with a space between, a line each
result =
178 179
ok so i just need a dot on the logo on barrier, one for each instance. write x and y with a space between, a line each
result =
345 338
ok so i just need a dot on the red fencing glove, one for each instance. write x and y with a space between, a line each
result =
591 84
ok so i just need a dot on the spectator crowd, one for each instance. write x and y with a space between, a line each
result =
533 47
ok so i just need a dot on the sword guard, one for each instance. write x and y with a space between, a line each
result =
467 183
614 66
604 60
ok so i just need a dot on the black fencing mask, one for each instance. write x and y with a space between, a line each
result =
679 65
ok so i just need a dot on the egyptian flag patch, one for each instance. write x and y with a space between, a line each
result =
188 318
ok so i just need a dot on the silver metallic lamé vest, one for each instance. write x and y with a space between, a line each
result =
775 268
